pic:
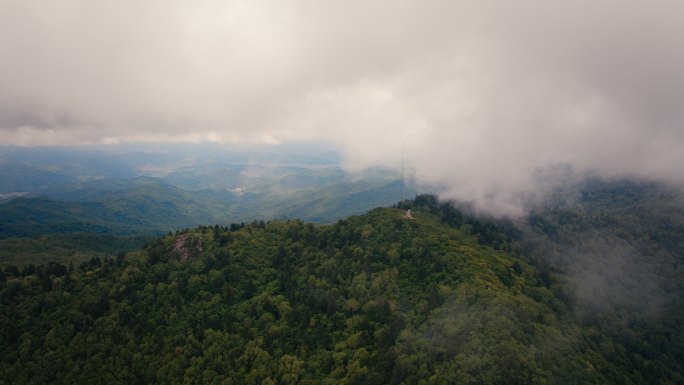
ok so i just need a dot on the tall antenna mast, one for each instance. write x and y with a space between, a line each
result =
402 172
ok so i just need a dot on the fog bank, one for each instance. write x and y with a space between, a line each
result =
490 99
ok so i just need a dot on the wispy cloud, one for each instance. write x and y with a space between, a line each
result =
485 95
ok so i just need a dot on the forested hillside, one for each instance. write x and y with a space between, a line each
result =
444 297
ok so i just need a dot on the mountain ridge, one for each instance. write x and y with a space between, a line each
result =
374 298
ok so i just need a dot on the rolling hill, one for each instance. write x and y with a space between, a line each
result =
445 297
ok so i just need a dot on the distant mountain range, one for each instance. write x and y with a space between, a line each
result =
196 262
140 194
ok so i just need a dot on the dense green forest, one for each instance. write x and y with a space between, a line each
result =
443 298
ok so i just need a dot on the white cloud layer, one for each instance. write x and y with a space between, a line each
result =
485 95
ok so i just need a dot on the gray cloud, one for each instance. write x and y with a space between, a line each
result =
485 95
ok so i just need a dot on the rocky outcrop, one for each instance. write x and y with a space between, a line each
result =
185 246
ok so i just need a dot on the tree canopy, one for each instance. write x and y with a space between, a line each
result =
373 299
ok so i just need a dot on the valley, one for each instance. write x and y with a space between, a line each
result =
129 197
235 273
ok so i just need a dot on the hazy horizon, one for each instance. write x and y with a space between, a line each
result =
496 101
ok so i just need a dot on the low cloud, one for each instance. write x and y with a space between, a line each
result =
486 97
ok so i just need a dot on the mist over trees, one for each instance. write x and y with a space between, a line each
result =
378 298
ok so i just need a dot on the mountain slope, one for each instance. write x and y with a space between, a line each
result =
20 177
119 207
377 298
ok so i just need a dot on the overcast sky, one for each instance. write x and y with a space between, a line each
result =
486 95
